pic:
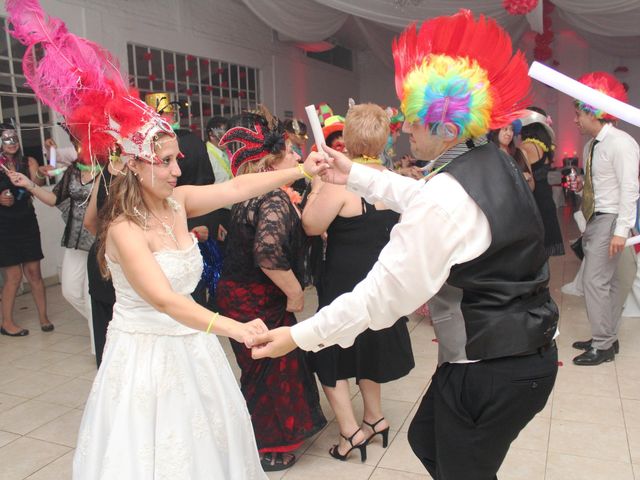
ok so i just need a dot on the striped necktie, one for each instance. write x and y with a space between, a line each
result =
588 196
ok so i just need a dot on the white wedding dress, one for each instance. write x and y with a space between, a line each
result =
165 403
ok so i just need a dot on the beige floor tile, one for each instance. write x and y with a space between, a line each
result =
399 456
523 465
627 366
41 340
629 388
7 437
387 474
395 411
9 373
633 435
33 384
74 344
631 409
310 467
14 350
71 394
405 426
406 389
9 401
39 359
73 366
63 430
30 415
425 366
535 436
568 467
26 456
589 440
587 381
587 408
60 469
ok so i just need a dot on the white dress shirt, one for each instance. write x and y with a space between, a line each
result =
614 173
441 226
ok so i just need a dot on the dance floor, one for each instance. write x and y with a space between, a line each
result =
590 427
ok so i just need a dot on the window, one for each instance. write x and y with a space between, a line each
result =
18 103
206 86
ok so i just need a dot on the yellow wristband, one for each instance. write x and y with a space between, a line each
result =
304 172
213 319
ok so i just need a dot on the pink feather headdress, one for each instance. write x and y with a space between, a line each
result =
82 81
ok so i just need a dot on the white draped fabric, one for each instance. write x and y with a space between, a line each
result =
610 25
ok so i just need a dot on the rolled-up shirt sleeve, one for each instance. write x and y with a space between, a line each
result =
441 226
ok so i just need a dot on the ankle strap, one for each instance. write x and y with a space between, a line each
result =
372 425
350 439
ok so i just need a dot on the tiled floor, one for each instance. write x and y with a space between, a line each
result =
590 428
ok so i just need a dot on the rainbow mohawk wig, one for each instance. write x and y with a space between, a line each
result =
606 83
459 70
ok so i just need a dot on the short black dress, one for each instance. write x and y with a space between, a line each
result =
19 231
543 195
353 247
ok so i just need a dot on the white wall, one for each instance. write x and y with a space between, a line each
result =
219 29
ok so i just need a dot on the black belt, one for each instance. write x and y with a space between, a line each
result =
538 351
602 213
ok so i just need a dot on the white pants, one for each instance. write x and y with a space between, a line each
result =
75 285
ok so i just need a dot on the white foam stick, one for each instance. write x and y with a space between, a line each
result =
316 128
585 94
52 156
632 241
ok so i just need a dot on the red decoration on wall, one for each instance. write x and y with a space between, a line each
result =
151 77
193 127
542 53
188 72
519 7
189 92
204 61
548 7
621 69
220 71
171 67
545 38
206 112
170 84
242 94
148 56
243 75
555 63
223 101
190 58
209 88
224 84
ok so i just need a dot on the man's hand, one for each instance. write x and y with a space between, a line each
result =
339 167
315 164
296 302
201 232
412 172
6 198
616 246
274 343
576 185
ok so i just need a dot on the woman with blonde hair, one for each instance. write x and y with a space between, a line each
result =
263 276
356 233
165 403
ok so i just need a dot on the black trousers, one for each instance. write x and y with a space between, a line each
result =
473 411
101 313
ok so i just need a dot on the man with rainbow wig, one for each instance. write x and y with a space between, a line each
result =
609 200
470 241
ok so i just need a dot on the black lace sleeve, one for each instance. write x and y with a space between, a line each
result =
271 245
61 190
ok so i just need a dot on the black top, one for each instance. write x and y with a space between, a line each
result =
270 227
23 201
506 304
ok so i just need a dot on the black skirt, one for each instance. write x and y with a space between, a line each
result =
20 240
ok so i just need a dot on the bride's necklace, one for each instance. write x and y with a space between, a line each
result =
168 229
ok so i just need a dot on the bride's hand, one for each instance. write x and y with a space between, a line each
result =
248 331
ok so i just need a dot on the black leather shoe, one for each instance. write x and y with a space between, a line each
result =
593 356
586 345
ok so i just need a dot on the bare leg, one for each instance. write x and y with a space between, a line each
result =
372 406
39 293
12 277
340 402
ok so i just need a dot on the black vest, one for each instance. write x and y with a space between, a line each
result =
506 304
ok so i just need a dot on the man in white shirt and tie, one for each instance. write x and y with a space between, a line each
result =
470 241
610 195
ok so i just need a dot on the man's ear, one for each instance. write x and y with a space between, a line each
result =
447 131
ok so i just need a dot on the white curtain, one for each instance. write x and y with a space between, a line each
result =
299 20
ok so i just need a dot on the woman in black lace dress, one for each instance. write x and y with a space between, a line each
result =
262 277
356 233
538 144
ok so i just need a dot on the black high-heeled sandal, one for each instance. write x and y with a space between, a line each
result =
383 433
335 453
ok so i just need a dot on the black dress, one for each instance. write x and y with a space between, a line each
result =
544 199
19 231
353 247
101 290
281 393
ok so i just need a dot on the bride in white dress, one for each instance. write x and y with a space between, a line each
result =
165 403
